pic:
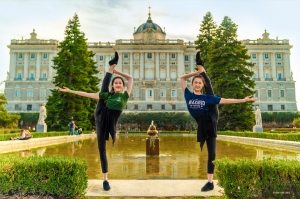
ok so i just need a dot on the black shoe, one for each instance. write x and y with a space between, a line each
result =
114 60
208 187
106 186
198 59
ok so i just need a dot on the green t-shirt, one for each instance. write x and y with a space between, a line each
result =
117 101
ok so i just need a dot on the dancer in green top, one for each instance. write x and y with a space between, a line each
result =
109 108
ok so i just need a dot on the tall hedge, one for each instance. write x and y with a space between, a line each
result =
279 117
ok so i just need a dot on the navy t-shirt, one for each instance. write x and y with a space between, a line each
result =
197 105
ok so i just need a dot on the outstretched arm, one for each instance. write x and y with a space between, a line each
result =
80 93
183 78
128 78
235 101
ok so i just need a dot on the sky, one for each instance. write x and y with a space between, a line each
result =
109 20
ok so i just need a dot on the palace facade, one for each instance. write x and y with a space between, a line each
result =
155 62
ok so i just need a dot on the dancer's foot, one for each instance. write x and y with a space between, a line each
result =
198 59
106 186
208 187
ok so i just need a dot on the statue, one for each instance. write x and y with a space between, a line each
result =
43 114
258 117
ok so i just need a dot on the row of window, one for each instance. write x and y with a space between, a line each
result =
31 76
267 76
30 93
150 94
269 85
269 93
149 107
266 55
270 107
33 55
136 107
149 56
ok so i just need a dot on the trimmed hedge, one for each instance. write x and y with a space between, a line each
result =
282 129
274 136
249 179
55 176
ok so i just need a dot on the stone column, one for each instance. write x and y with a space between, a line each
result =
168 67
50 69
38 66
192 63
119 66
106 60
157 66
261 67
180 66
26 60
273 63
12 66
287 71
142 66
131 64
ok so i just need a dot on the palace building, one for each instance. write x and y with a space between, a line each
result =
155 62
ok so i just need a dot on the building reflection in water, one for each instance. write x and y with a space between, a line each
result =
152 165
259 154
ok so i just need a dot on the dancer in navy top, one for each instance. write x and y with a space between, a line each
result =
204 109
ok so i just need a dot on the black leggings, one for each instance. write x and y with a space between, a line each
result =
102 149
211 150
100 136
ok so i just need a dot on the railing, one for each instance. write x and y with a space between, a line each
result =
173 79
281 79
100 45
256 79
265 42
163 79
18 79
268 79
149 79
140 42
30 79
43 79
34 42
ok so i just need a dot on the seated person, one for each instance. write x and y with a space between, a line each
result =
22 134
93 131
79 131
27 134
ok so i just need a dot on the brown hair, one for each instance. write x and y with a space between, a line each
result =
112 91
200 77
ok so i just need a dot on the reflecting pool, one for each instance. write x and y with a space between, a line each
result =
180 156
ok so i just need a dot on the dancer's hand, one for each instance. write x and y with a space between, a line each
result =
64 89
112 68
250 99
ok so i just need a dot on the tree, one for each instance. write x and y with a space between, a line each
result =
76 70
230 75
206 36
7 119
296 122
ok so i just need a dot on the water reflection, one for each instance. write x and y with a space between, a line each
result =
180 156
